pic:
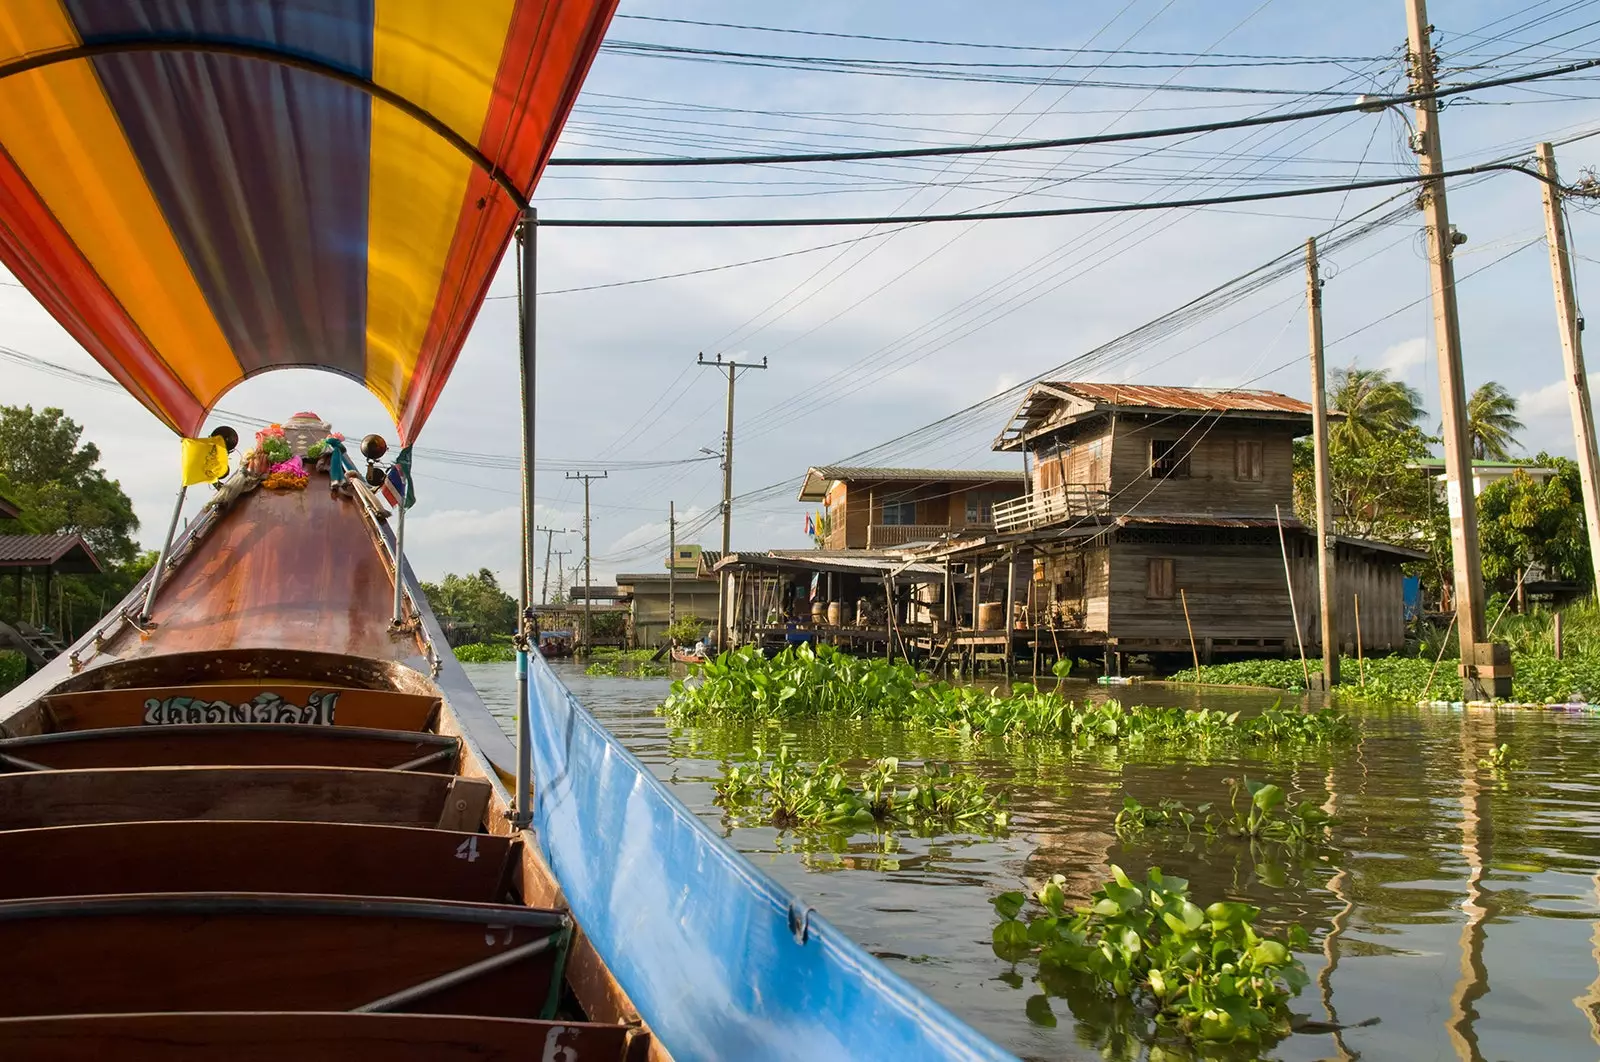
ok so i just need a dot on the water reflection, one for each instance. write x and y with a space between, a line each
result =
1456 905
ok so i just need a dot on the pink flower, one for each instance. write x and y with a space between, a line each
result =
292 467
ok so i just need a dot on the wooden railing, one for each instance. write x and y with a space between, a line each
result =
1065 502
880 536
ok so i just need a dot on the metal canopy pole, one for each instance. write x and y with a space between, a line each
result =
399 616
522 808
161 561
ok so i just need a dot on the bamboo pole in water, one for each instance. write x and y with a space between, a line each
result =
1184 597
1294 613
1361 660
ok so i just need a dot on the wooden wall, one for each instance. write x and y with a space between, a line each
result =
1376 576
1212 487
1235 587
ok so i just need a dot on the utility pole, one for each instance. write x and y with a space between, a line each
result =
1555 227
1478 659
732 369
588 576
561 571
1326 546
549 533
672 563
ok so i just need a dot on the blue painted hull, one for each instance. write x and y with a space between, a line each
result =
721 961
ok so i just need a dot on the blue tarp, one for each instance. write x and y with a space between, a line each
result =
1411 596
721 961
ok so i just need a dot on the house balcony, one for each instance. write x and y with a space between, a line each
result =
883 536
1068 501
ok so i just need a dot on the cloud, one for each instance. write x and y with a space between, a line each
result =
1399 359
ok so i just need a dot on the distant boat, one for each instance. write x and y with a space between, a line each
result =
687 656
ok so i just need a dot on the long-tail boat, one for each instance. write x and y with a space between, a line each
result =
259 811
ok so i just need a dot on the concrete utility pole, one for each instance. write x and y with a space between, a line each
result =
672 563
732 369
1555 227
549 533
1326 547
588 576
1479 660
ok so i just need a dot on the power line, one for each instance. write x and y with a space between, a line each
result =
1377 103
1004 215
974 44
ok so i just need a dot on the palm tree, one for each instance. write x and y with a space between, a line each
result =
1372 404
1492 422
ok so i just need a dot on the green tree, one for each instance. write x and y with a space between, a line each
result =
1373 405
474 600
1492 423
1523 521
1375 494
54 478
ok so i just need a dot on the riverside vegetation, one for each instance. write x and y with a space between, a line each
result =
1205 973
785 792
801 682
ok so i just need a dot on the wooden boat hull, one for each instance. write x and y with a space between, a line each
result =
254 1036
339 858
276 851
213 951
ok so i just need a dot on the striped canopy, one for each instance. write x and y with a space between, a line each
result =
204 190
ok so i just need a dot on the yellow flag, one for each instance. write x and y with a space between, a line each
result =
204 460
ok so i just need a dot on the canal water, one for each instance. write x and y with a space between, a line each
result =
1453 917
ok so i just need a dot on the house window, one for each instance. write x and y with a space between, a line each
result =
1247 459
980 506
1159 581
1169 459
899 511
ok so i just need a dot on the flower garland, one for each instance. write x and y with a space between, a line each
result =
287 475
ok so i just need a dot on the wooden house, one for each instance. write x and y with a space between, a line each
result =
881 508
1143 500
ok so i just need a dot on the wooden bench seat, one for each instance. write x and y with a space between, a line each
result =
285 857
254 701
244 744
273 952
313 1037
32 799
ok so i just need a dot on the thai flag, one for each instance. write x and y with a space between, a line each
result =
393 490
811 527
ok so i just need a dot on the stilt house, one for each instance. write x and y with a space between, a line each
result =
1144 500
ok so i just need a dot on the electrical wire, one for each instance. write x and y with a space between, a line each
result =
1098 138
1007 215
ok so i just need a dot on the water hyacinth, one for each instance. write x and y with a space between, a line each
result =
1205 973
783 791
804 683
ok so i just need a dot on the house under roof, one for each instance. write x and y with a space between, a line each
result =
815 486
58 554
1055 403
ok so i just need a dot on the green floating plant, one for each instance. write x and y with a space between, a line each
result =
802 682
1204 972
1266 814
790 794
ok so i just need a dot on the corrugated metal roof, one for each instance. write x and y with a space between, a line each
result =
1199 398
820 477
62 553
856 560
1290 523
1041 407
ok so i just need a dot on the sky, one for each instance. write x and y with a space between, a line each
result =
872 333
